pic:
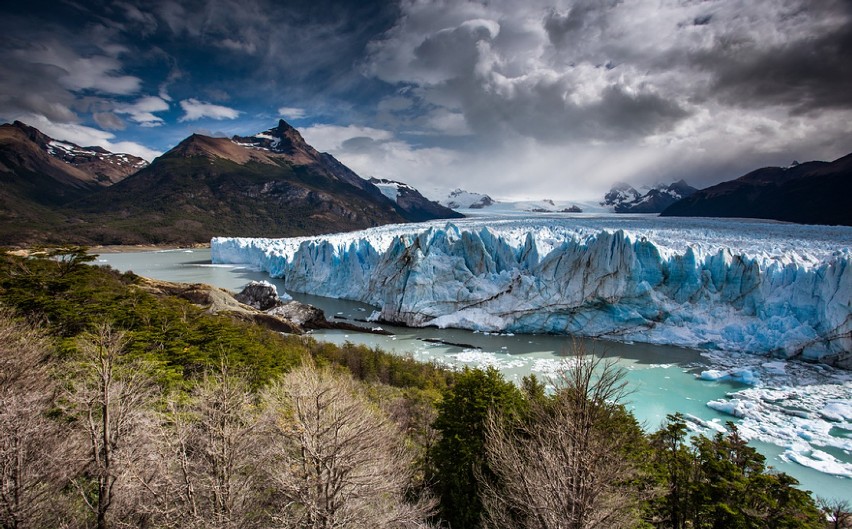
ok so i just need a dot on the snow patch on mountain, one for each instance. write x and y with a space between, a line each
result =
391 188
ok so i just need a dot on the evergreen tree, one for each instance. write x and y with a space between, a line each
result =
459 455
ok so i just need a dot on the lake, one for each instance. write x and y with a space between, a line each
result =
663 379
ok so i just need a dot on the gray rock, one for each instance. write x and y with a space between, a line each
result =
259 295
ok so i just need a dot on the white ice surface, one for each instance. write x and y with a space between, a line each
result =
731 285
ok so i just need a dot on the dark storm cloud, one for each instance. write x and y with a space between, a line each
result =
590 90
807 74
360 144
122 65
33 88
541 111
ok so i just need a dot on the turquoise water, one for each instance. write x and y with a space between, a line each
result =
662 379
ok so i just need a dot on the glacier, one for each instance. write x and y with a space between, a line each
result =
718 284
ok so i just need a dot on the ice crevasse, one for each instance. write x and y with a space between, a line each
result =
701 285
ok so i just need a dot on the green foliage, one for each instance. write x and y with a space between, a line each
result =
376 366
723 483
459 454
71 297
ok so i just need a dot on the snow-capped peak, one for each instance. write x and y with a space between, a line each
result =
461 199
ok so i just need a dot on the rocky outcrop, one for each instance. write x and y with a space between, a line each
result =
260 295
257 303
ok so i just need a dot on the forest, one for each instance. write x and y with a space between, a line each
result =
119 408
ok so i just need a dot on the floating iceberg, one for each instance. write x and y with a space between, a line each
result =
728 285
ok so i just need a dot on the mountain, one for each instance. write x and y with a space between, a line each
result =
49 171
461 199
39 175
415 205
272 184
620 194
807 193
623 198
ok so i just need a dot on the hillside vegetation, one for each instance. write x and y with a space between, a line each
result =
119 408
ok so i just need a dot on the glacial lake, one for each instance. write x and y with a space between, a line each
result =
663 379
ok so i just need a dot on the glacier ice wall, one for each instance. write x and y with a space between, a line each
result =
705 285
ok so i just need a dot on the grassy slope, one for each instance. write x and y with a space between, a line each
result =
182 338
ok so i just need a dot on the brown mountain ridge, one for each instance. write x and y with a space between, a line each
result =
272 184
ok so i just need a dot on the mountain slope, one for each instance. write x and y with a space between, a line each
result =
461 199
272 184
49 171
808 193
39 175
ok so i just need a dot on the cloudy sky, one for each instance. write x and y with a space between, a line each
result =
522 99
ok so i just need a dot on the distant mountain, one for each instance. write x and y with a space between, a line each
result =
272 184
619 195
807 193
412 202
623 198
461 199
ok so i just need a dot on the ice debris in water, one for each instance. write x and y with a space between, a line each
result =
804 408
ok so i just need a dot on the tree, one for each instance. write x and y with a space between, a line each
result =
839 512
210 451
34 462
723 482
333 460
678 465
569 464
111 397
459 454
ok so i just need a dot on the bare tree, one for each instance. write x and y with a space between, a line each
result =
839 512
334 460
112 397
210 451
565 467
33 466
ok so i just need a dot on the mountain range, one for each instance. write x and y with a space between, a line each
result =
272 184
806 193
624 198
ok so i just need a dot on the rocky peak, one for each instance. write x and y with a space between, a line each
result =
620 193
282 139
623 198
32 133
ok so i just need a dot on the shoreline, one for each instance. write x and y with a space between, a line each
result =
126 248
